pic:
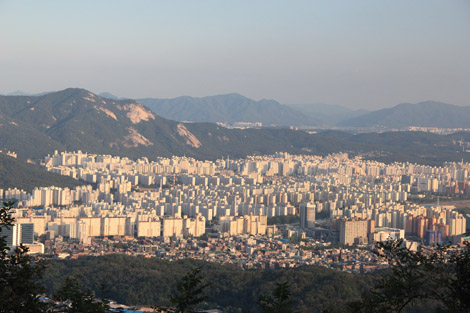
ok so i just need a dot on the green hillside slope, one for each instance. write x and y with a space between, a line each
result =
15 173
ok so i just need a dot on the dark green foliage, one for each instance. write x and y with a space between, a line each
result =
74 299
408 146
17 174
190 292
279 302
6 220
136 280
283 219
322 215
459 289
20 274
437 280
464 210
21 285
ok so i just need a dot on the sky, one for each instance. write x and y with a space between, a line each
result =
359 54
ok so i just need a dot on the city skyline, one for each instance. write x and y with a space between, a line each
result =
302 156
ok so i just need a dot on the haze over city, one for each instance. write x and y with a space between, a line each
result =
359 54
228 157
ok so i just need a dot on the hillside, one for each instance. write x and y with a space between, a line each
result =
135 280
229 108
15 173
424 114
76 119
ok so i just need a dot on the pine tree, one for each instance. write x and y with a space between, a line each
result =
20 273
439 278
279 302
20 281
73 299
190 293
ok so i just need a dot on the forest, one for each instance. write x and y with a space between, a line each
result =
436 280
149 281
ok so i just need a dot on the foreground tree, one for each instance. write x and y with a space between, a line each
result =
190 293
20 273
439 279
73 298
279 302
20 281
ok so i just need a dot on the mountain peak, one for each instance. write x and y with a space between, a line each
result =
228 108
75 91
229 97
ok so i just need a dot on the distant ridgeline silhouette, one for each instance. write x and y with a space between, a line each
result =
76 119
423 114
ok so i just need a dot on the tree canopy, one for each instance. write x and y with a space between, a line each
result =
435 279
20 273
21 287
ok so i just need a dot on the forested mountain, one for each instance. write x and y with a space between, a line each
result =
229 108
76 119
426 114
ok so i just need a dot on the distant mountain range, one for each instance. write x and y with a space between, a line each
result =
329 114
423 114
73 119
230 109
76 119
22 93
111 96
233 108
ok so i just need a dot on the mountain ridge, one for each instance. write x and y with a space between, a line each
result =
329 114
228 108
422 114
319 114
76 119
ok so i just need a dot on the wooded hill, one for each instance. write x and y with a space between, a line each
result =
76 119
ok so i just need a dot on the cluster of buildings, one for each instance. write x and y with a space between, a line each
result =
83 225
361 201
245 251
9 153
436 130
408 219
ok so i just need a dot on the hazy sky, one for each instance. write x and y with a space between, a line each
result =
367 54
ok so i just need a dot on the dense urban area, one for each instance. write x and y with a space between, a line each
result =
275 211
